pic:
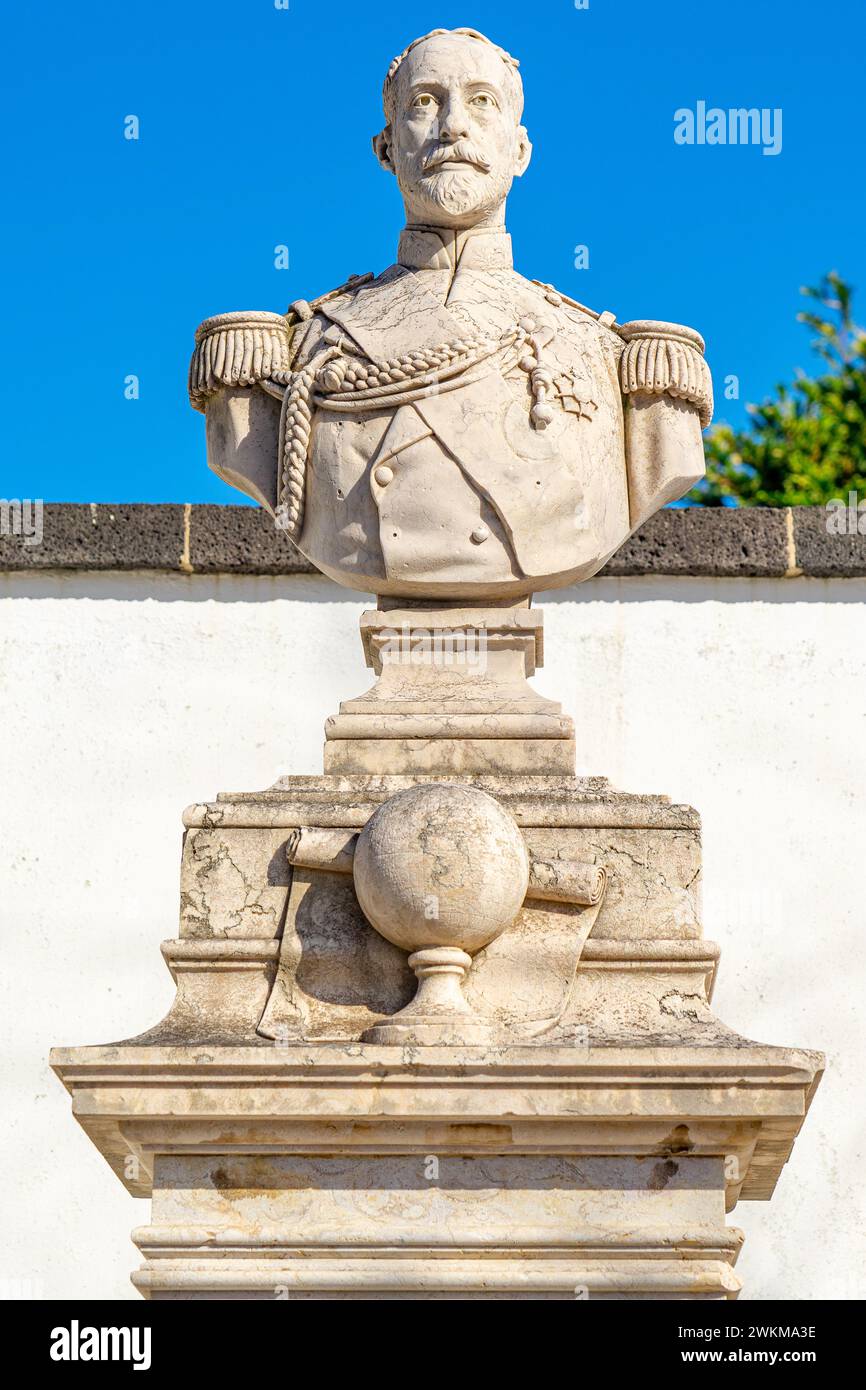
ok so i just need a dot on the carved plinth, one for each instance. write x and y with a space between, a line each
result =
451 697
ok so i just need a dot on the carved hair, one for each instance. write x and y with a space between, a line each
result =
515 85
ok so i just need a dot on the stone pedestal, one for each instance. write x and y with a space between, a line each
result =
589 1151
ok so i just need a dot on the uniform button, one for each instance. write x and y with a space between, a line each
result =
480 534
383 474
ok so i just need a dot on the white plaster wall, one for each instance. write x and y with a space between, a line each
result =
124 698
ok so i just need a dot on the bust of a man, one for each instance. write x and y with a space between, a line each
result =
449 429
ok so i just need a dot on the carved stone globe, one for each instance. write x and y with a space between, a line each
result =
441 865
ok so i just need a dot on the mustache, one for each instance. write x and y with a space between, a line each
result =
464 152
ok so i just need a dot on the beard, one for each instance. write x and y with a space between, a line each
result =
454 190
457 192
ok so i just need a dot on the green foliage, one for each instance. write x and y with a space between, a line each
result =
806 445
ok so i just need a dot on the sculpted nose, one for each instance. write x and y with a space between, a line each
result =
454 122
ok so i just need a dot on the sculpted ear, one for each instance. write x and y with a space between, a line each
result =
382 149
523 152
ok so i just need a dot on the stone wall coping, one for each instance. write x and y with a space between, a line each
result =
210 539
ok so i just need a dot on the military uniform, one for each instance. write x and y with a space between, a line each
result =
450 429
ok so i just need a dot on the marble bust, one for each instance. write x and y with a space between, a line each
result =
448 429
447 947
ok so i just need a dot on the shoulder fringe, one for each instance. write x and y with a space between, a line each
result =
237 349
666 359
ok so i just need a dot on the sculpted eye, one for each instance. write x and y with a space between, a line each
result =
484 100
424 100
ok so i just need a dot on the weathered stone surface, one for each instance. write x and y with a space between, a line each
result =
451 697
233 885
330 978
653 888
725 541
533 1208
821 553
457 755
245 541
101 537
559 1171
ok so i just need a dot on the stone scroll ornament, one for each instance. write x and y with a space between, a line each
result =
519 984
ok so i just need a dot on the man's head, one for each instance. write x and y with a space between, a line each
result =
453 103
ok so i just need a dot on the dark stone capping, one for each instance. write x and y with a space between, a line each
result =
749 542
759 542
241 540
85 536
824 554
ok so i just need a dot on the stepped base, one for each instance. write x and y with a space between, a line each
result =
368 1172
451 697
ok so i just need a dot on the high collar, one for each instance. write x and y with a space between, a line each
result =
440 248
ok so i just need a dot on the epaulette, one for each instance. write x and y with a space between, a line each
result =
237 349
301 309
666 359
555 297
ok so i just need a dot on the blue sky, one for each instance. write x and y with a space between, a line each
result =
255 127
